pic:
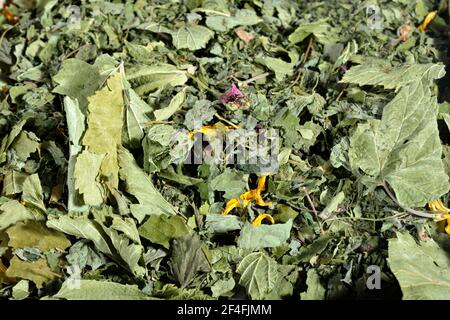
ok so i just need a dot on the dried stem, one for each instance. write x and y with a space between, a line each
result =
311 203
409 210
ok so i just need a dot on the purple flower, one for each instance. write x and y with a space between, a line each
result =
232 95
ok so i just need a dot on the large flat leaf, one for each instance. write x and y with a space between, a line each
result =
76 126
104 129
259 274
403 148
13 211
392 77
34 234
188 259
264 236
161 229
139 184
145 79
191 37
99 290
321 30
32 192
83 228
37 271
86 180
243 17
78 79
422 269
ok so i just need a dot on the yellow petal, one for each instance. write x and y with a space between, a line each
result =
231 204
447 228
2 267
261 183
427 20
261 217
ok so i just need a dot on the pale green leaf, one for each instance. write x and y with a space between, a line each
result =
223 23
86 180
392 77
315 289
145 79
279 66
162 229
139 184
13 211
78 79
32 192
191 37
175 104
25 144
219 223
321 30
188 259
422 269
259 274
83 228
104 129
99 290
13 182
76 126
404 148
264 236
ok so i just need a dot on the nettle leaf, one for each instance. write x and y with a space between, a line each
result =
13 211
83 228
259 274
404 148
145 79
231 181
137 116
392 77
188 259
191 37
34 234
315 289
32 192
264 236
175 104
86 180
104 130
139 184
25 144
13 182
219 223
161 229
321 30
223 23
76 126
279 66
99 290
78 79
422 269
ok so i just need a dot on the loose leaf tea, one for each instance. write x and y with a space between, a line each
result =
214 149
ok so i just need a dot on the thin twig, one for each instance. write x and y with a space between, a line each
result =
255 78
409 210
218 116
314 210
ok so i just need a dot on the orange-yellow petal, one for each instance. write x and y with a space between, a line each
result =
427 20
261 217
231 204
